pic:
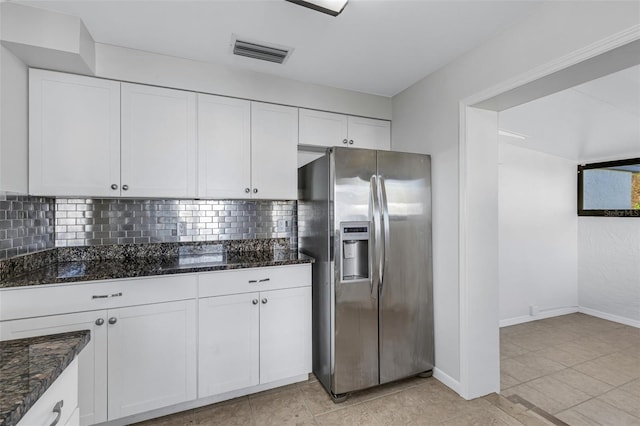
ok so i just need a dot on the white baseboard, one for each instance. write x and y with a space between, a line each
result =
610 317
541 315
447 380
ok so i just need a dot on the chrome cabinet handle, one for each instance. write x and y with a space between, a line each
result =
264 280
350 141
114 186
106 296
58 410
113 320
255 190
344 141
247 190
264 301
254 301
125 187
99 321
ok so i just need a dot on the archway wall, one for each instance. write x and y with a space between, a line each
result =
427 119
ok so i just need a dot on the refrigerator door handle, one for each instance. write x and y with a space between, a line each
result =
385 228
377 230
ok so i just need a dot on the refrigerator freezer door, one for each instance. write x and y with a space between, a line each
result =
355 338
406 308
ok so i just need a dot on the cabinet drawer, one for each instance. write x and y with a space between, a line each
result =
67 298
254 279
64 389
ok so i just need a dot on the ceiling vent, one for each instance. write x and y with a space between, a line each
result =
251 49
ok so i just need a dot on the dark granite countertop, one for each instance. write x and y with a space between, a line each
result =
29 366
102 263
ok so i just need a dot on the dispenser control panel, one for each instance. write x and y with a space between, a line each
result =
354 246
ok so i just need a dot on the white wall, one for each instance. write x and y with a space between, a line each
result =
149 68
538 234
609 268
13 123
426 120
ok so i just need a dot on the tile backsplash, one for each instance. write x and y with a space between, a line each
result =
26 224
125 221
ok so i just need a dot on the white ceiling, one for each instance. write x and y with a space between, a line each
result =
597 120
375 46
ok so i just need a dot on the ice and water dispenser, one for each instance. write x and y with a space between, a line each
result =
354 245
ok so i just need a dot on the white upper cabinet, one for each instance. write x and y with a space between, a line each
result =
274 151
224 147
74 135
321 128
158 142
369 133
318 128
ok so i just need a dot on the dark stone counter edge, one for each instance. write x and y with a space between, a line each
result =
13 417
155 272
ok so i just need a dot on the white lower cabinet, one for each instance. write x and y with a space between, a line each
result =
285 333
228 352
92 385
152 359
59 404
138 359
164 341
253 338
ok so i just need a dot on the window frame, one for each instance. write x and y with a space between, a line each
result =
609 212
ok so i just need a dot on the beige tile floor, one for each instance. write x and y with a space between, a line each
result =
573 369
581 369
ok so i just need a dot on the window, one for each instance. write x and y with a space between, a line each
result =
609 189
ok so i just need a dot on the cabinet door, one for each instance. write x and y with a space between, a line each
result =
224 147
158 142
228 353
74 135
369 133
274 142
92 383
152 357
318 128
285 333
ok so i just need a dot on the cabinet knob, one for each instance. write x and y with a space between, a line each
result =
247 190
125 187
264 301
255 190
350 141
113 320
114 186
254 301
99 321
344 141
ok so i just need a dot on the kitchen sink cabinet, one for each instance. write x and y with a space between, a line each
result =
151 357
74 135
253 338
158 142
326 129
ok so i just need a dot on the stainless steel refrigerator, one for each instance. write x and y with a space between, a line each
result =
365 216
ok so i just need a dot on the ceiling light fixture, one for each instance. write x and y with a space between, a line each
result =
511 134
330 7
